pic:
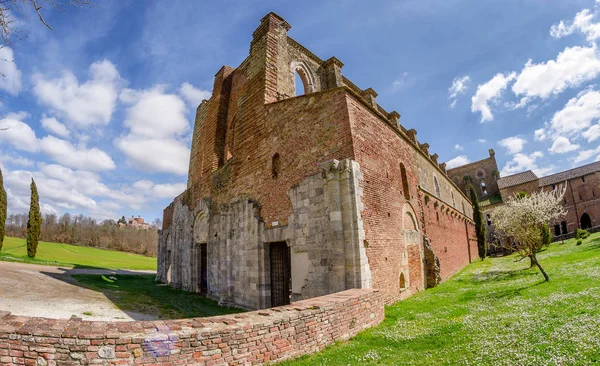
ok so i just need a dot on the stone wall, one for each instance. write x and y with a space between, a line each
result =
253 338
485 170
324 232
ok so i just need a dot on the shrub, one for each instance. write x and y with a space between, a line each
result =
581 234
579 241
546 235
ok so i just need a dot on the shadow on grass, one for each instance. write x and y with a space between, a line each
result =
138 294
498 276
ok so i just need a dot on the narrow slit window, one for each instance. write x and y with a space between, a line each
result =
275 166
404 182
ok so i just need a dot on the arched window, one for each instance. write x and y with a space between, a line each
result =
463 207
275 166
489 219
557 230
303 78
453 200
299 84
436 185
402 281
404 182
483 188
586 221
563 227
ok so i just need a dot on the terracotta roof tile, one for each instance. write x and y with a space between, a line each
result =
570 174
516 179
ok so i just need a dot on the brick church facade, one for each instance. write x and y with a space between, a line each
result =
295 196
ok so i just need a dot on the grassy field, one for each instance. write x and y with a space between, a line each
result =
141 294
15 250
495 312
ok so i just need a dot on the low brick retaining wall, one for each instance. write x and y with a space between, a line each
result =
242 339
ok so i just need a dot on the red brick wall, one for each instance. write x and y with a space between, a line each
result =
447 230
379 151
250 338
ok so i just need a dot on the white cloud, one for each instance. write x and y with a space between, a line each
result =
489 92
155 113
192 95
562 145
87 104
459 86
166 155
522 162
482 141
587 154
458 147
513 144
78 157
18 133
399 82
540 134
52 125
168 190
14 160
578 114
572 67
156 122
10 75
593 133
583 22
457 161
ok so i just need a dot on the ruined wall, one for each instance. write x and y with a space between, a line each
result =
394 224
325 235
485 171
250 338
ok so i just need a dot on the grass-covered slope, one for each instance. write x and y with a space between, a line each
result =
15 250
496 312
142 294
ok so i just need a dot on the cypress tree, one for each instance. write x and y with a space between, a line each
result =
479 224
2 210
34 224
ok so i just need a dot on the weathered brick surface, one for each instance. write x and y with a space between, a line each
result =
243 339
349 226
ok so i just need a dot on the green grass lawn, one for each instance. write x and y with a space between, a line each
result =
142 294
15 250
495 312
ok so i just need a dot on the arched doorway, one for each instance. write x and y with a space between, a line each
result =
586 221
200 254
414 278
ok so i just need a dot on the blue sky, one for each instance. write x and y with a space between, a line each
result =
100 109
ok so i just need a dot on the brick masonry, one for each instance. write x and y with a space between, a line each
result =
251 338
330 173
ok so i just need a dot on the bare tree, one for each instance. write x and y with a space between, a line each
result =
8 8
519 221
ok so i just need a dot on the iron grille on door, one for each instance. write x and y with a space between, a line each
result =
203 269
280 274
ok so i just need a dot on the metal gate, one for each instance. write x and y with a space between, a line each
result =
203 269
281 275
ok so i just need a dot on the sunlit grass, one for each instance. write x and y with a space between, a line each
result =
142 294
495 312
15 250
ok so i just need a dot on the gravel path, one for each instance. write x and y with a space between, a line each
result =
51 292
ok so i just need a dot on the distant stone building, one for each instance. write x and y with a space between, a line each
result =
296 196
137 223
582 199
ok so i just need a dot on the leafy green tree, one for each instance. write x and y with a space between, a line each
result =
480 231
3 205
34 224
546 235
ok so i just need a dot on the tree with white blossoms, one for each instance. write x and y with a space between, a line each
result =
519 221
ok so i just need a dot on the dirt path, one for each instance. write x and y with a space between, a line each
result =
47 291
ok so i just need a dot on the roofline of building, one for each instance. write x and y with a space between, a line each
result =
570 170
